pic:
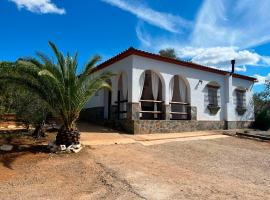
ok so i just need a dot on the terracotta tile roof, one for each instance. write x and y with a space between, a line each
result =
133 51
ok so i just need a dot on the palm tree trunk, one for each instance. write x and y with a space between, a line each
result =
67 137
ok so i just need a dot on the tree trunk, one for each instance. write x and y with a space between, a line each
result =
67 137
39 131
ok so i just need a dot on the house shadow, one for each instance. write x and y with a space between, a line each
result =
88 127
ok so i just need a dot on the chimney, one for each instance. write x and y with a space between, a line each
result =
233 63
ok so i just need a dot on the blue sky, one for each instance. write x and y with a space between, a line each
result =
209 32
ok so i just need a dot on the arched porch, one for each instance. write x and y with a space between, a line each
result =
152 95
179 98
122 96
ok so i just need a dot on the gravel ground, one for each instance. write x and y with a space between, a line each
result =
227 168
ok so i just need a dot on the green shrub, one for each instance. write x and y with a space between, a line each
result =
262 120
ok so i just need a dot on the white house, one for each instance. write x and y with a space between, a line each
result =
152 94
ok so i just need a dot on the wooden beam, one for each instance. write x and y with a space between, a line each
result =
180 103
154 112
179 113
151 101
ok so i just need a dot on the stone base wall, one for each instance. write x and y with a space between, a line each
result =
172 126
136 126
175 126
238 124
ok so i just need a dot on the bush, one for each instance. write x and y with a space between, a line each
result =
262 120
28 107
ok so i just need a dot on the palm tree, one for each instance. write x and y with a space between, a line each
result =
58 84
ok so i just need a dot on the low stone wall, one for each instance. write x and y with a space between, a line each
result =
8 124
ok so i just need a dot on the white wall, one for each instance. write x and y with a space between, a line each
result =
124 65
134 66
198 91
248 85
96 101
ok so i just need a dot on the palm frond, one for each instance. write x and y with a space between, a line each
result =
60 57
45 59
91 64
57 83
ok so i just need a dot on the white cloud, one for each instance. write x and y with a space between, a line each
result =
232 23
262 79
220 57
162 20
215 57
144 38
39 6
266 59
223 31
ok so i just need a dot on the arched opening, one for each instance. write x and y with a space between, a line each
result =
151 95
122 96
107 101
180 98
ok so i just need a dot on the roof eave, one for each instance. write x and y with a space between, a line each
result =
133 51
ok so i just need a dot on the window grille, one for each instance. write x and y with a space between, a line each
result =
240 99
213 96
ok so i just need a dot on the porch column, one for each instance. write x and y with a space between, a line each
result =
133 111
192 110
134 104
166 93
167 112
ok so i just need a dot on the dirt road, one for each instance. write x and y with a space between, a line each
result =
226 168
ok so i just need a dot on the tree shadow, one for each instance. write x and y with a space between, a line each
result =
7 158
22 145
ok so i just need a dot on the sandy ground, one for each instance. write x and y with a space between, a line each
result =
76 176
224 168
227 168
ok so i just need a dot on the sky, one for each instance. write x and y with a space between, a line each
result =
208 32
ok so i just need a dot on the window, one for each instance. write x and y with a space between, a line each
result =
213 98
240 98
212 95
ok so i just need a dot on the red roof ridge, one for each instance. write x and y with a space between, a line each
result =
133 51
